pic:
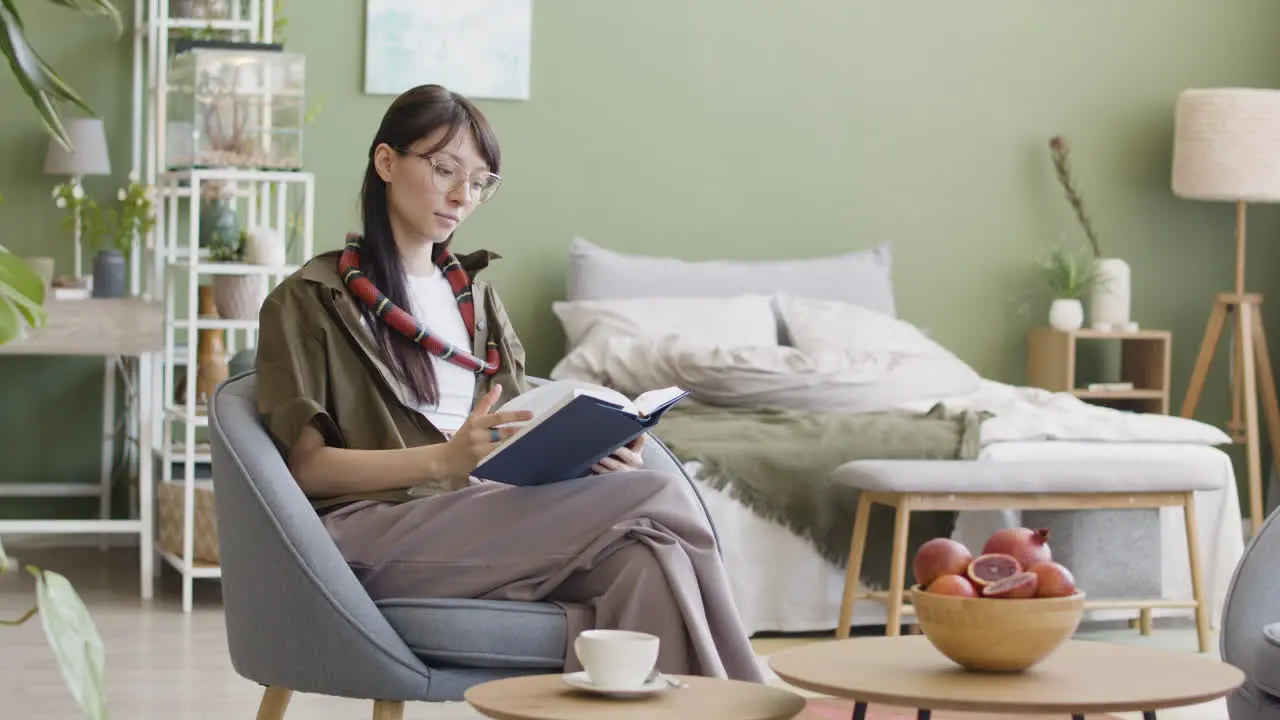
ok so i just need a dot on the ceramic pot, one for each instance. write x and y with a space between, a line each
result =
219 226
1110 300
109 274
1066 314
211 351
239 297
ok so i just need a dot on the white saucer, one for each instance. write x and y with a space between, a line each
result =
582 681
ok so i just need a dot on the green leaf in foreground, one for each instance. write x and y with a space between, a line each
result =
74 639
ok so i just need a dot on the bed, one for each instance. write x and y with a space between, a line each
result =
823 334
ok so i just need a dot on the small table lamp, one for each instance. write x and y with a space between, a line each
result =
1227 149
90 157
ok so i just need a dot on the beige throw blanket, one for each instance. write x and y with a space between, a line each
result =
778 463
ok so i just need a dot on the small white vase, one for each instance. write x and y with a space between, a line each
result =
1110 299
1066 314
264 246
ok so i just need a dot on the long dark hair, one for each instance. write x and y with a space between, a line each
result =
414 115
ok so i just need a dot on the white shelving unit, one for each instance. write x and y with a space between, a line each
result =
178 265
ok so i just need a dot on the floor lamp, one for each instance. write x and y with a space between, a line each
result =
1227 149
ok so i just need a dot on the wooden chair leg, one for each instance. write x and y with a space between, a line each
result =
857 547
1197 586
388 710
275 700
898 568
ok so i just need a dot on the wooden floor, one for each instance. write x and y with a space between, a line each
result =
164 665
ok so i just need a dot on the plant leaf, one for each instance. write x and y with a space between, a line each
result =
10 321
74 639
38 80
95 7
22 288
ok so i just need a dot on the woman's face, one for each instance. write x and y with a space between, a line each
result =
429 196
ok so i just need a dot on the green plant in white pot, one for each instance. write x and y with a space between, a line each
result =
1109 299
237 295
1070 277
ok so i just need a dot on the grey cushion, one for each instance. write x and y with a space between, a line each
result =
1266 667
480 633
862 277
1030 476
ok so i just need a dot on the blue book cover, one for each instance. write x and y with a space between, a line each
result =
574 427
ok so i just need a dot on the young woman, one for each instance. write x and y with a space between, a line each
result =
379 370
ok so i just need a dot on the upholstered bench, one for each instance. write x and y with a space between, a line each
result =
921 485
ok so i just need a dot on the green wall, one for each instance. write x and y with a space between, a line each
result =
720 128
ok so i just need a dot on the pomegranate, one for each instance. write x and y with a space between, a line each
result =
986 569
1018 586
957 585
938 557
1029 547
1053 580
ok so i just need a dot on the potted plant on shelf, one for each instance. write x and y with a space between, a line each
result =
1070 277
1109 300
236 295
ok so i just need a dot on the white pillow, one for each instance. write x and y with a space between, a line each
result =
815 324
923 368
742 321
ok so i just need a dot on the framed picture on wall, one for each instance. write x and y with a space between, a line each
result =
479 48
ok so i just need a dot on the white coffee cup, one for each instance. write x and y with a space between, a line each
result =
617 659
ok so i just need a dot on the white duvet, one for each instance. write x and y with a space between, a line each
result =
1026 414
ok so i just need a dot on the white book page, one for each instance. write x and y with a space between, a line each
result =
647 402
545 399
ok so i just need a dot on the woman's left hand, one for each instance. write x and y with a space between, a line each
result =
624 458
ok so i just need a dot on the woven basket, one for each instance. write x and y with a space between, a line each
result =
169 522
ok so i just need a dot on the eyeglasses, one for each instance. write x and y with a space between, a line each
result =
448 176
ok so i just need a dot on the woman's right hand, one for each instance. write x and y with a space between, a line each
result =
476 437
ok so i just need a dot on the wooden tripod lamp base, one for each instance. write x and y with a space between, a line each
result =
1227 148
1252 374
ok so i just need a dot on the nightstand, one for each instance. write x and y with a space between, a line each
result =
1144 361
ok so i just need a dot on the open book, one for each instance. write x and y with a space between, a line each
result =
574 426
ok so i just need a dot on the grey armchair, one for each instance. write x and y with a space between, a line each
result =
1251 626
297 618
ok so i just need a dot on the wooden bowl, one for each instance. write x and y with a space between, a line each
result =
996 635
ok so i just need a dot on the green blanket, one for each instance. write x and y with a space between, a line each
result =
778 463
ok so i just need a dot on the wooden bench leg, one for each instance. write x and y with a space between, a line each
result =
1197 586
857 546
388 710
898 568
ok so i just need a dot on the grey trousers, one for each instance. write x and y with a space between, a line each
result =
633 548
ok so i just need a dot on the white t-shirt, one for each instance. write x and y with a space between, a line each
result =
433 305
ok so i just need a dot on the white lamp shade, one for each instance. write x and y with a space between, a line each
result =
90 157
1227 145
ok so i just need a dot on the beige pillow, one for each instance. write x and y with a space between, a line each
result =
741 321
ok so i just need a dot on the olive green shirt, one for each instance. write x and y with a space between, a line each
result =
318 364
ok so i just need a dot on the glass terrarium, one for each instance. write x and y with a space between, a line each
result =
202 9
236 105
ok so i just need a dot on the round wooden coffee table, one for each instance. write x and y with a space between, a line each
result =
547 697
1080 677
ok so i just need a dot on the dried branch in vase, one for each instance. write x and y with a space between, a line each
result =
1061 154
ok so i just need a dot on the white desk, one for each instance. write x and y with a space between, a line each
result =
115 330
